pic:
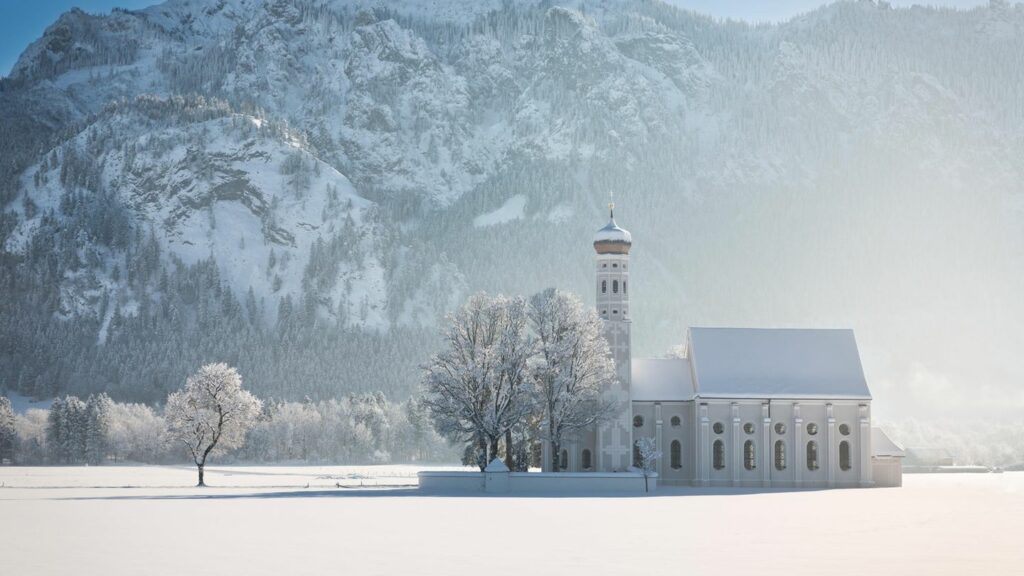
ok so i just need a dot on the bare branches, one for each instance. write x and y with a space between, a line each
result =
212 413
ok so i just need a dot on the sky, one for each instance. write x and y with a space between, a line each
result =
22 21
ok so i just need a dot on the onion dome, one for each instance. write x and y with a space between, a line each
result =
611 239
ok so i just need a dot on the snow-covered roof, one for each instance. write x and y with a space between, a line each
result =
661 380
882 445
776 363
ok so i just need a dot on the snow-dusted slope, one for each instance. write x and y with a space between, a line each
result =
209 184
763 170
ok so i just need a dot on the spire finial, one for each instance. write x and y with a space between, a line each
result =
611 204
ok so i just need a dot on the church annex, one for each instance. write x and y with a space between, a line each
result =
745 407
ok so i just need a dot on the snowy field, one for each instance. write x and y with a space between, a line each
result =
264 520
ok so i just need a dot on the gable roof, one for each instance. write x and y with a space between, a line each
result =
882 445
660 380
776 363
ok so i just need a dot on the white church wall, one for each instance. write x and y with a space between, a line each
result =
677 426
720 430
746 427
814 430
782 413
846 416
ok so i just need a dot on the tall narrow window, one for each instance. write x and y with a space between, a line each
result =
844 455
624 291
564 460
638 461
604 286
586 459
812 455
749 455
718 455
615 286
676 454
780 455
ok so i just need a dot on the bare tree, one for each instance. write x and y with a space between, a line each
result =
575 367
212 414
647 448
477 388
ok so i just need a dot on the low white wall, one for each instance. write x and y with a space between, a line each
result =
452 481
576 482
537 482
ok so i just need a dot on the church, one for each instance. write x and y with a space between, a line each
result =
744 407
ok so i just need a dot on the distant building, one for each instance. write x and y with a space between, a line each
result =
743 407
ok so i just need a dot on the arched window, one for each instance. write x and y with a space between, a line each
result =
638 421
563 462
812 455
780 455
586 459
676 454
844 456
749 455
604 286
615 286
676 421
718 455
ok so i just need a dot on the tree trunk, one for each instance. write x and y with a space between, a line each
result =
510 459
494 449
482 453
201 483
556 456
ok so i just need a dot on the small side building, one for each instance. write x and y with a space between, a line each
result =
886 460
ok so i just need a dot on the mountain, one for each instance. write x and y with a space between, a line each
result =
305 188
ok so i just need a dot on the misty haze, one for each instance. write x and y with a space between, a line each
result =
298 212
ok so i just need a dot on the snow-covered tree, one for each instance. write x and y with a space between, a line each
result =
575 367
8 433
647 449
477 388
136 433
97 428
212 414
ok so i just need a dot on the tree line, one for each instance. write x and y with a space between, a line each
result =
355 429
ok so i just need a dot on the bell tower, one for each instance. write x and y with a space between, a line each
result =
612 244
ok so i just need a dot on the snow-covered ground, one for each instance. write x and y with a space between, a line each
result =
268 522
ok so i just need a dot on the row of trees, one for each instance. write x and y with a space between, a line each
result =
353 429
520 372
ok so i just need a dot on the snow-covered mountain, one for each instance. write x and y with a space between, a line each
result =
330 176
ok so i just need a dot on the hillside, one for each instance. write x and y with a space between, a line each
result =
304 188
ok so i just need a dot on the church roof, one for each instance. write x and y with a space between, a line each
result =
660 380
882 445
776 363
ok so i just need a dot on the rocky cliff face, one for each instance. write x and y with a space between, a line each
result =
344 172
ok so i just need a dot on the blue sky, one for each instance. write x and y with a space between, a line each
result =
22 21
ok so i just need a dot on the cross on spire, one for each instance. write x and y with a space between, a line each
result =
611 204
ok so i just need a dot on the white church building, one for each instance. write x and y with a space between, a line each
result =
744 407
